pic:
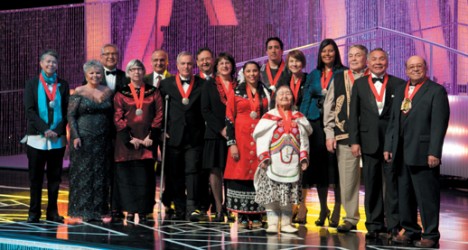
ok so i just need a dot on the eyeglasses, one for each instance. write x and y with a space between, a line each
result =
136 69
110 54
416 67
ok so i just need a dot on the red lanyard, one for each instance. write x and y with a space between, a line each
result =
138 101
181 89
287 118
416 89
295 87
253 100
378 96
50 95
326 79
277 76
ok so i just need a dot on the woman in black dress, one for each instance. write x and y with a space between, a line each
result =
90 119
214 98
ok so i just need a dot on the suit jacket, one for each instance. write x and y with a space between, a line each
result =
121 80
185 123
213 110
366 126
424 127
37 126
149 78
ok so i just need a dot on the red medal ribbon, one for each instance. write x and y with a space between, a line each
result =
253 100
351 76
295 87
418 86
287 120
278 74
138 101
181 89
378 96
223 91
50 95
325 79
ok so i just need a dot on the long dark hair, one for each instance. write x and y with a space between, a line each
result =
337 62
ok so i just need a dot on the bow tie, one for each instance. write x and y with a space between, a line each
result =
185 81
375 79
111 73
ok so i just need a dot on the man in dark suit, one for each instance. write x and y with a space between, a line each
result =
205 63
371 103
185 131
114 78
159 61
413 145
46 102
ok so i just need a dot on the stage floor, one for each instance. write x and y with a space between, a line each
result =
14 200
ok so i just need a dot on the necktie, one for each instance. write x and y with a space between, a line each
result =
157 81
375 79
111 73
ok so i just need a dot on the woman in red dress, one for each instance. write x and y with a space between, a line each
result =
245 106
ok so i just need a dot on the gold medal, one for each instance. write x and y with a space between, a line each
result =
139 112
253 115
185 101
406 105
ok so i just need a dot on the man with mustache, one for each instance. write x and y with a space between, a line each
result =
413 145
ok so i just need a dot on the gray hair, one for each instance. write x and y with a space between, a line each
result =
378 49
183 53
109 45
91 64
361 47
49 52
133 63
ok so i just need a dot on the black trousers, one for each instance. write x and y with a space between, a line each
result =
419 187
37 161
183 174
381 193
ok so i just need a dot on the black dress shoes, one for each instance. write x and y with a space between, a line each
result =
426 243
346 227
55 218
371 235
402 239
33 219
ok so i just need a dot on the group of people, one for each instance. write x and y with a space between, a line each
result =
255 144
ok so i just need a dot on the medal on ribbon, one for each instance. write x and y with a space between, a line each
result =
138 100
50 95
254 102
185 95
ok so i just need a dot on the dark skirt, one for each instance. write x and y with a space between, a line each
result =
214 154
240 197
136 184
323 165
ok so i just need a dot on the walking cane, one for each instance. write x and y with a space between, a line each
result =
163 154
